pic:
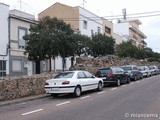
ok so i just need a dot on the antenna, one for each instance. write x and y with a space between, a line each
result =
20 1
83 3
124 13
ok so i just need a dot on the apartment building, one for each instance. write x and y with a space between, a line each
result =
80 19
130 28
19 24
4 42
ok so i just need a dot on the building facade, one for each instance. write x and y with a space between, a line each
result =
19 24
81 20
130 28
4 42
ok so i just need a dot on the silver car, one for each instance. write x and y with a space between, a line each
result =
145 71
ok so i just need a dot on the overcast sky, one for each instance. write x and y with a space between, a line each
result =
150 25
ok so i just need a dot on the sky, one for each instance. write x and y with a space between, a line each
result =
103 8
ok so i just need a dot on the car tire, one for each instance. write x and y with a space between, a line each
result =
99 88
118 83
77 91
128 80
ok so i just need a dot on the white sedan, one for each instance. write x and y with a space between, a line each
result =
73 82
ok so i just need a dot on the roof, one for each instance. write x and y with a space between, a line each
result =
133 20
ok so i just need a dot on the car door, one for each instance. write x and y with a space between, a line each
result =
124 76
92 82
83 81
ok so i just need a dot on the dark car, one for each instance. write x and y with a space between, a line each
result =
113 75
133 72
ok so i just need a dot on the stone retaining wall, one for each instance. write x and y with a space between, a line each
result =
18 87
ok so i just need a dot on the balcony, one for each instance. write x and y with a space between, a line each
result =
137 31
133 38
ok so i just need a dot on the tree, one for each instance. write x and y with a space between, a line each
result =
101 45
126 49
48 39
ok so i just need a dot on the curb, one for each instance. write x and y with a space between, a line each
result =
24 99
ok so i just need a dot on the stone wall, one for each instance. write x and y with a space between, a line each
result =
92 64
18 87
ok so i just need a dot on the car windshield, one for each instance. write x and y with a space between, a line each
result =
141 68
126 68
104 71
65 75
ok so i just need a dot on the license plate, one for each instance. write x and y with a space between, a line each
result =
55 89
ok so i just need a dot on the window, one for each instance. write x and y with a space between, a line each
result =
81 75
17 65
92 32
21 33
89 75
99 30
64 63
2 68
107 30
44 65
85 24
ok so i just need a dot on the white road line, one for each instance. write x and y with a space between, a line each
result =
101 92
123 85
63 103
131 83
32 112
137 81
84 97
113 88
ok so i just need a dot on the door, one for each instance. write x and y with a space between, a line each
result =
83 81
30 67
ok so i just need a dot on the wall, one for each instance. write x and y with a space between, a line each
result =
121 28
118 38
61 11
18 87
93 22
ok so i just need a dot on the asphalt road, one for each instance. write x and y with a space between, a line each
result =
139 100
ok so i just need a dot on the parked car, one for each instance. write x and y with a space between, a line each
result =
113 75
154 69
73 82
133 72
145 71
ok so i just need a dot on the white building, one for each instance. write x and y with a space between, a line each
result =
4 42
130 29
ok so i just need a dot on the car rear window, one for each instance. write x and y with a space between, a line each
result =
126 68
104 71
65 75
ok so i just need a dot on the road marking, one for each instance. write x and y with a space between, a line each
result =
113 88
63 103
123 85
32 112
131 83
101 92
84 97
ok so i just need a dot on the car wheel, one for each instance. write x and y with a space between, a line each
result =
128 80
118 82
77 91
54 95
99 86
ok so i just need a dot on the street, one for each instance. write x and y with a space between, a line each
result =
139 100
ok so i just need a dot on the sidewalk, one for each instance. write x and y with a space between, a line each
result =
24 99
